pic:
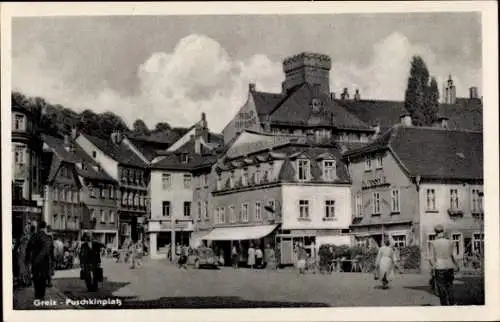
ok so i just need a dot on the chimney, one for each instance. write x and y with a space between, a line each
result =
357 96
345 94
406 119
251 87
307 68
473 93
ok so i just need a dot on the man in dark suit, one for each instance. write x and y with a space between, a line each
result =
38 254
90 259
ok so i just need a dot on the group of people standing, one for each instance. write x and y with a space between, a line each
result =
255 256
132 252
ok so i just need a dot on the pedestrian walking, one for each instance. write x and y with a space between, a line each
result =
234 256
270 257
386 262
251 256
38 253
444 265
90 262
24 271
182 262
259 258
301 258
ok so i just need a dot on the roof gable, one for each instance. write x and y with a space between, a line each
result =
117 151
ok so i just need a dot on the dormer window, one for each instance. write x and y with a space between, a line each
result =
185 158
329 170
304 169
368 164
380 162
19 122
316 105
244 176
219 181
257 176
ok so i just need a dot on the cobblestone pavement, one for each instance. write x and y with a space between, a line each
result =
159 284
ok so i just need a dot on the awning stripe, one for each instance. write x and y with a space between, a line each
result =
240 233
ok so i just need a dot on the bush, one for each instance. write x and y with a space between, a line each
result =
409 257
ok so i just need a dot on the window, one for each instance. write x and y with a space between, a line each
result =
204 179
66 194
399 240
184 158
304 169
124 198
19 122
231 180
379 162
166 208
205 210
136 200
258 211
368 164
257 176
477 201
130 199
219 182
198 210
187 208
329 170
102 216
376 203
395 201
303 209
244 212
431 199
478 243
329 208
222 215
19 154
244 177
111 192
454 205
55 221
56 193
359 205
63 221
430 238
187 181
112 217
166 180
457 244
102 192
94 154
232 214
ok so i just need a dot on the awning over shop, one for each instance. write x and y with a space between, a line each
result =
240 233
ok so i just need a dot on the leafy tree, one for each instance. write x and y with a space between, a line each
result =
431 108
140 127
162 126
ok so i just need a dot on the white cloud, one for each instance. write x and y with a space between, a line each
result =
200 76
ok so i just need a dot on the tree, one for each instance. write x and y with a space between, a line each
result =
416 91
140 127
431 108
162 126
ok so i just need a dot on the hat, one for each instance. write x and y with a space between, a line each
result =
438 229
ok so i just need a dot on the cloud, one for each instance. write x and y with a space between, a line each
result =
200 76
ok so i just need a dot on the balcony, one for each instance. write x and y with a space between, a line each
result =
455 212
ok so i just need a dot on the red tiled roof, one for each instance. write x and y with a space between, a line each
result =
433 152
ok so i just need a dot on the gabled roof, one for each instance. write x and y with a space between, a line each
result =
74 157
119 152
266 102
296 110
432 153
373 112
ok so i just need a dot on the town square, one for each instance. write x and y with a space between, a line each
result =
198 168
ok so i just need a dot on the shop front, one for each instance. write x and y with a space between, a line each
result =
311 239
159 233
24 213
223 239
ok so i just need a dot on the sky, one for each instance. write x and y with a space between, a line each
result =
173 68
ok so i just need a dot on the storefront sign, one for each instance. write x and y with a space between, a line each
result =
26 209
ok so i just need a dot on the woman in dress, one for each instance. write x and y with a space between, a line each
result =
23 266
270 257
301 258
386 261
251 256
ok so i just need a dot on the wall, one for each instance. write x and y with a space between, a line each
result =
316 194
176 194
201 194
232 128
108 164
237 198
466 225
